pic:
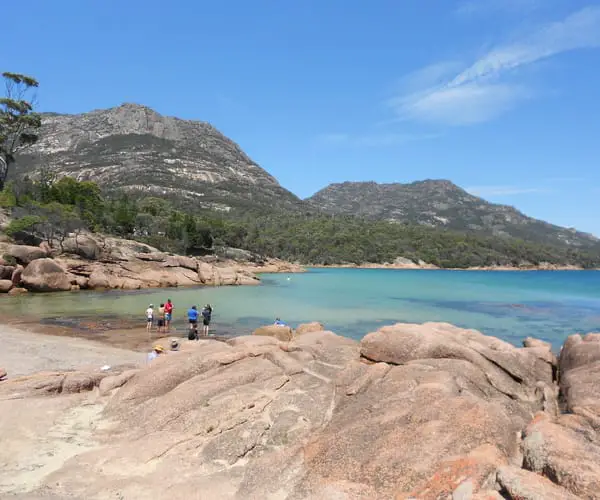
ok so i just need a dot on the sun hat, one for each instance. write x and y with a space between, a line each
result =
151 305
159 348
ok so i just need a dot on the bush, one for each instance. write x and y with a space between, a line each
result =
23 224
10 260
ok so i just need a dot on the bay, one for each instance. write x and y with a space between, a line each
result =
353 302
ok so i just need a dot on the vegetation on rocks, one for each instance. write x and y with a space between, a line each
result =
51 209
184 188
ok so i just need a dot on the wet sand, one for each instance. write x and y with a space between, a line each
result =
25 352
114 332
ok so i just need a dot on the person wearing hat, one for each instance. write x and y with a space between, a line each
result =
157 350
149 317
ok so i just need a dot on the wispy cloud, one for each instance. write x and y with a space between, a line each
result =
484 90
470 8
373 140
506 190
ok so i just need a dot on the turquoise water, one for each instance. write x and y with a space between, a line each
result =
353 302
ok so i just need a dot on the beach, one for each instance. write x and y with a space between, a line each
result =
25 352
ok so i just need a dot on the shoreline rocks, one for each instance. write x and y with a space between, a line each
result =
411 412
94 262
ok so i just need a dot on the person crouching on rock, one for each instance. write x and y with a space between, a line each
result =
193 320
206 317
156 351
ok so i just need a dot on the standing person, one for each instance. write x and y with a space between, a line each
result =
168 314
206 317
193 320
161 318
149 317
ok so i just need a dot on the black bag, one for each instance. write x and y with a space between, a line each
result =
193 335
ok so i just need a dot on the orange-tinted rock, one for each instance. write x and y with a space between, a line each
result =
45 275
283 333
315 326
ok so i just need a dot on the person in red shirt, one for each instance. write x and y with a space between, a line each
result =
168 314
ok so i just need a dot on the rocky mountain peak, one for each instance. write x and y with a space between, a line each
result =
135 148
441 203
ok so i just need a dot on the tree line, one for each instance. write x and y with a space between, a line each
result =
51 209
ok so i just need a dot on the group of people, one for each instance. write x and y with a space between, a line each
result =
193 319
163 317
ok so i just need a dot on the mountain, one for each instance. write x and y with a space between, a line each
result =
440 203
134 148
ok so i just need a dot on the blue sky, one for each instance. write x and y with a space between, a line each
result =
500 96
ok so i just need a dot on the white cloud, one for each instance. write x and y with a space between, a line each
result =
505 190
481 92
460 105
578 31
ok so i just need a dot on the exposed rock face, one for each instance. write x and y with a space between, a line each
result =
315 326
45 275
25 254
283 333
441 203
566 449
52 383
93 261
310 418
6 272
5 286
135 148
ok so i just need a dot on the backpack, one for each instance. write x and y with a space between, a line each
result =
193 335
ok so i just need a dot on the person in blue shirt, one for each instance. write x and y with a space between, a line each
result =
193 320
278 322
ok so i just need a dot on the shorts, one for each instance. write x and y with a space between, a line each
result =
193 322
149 320
167 316
161 322
206 321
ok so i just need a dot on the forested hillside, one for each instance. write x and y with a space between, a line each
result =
50 209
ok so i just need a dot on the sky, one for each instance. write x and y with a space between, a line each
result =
499 96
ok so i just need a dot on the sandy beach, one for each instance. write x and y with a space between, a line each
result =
26 352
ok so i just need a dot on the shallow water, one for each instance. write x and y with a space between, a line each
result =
353 302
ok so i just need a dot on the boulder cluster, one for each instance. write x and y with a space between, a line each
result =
96 262
411 412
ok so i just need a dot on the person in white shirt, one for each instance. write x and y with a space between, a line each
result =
156 351
149 317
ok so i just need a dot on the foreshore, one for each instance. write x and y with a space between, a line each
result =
437 410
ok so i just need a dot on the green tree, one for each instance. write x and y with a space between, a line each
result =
19 124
